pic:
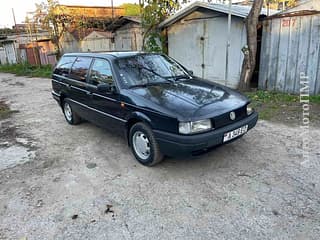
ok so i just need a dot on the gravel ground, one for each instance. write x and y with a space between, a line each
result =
81 182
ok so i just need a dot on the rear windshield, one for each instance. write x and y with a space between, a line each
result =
64 65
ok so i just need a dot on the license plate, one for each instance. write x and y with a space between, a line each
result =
235 133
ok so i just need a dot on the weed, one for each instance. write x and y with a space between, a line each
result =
281 107
25 69
4 110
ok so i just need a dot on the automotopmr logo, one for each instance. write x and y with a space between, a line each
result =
305 123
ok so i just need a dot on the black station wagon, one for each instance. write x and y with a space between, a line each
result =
159 106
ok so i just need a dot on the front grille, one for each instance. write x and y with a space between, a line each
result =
224 119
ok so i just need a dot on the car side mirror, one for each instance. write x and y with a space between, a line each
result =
190 72
106 88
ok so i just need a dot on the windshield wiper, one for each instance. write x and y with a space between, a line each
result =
155 73
179 77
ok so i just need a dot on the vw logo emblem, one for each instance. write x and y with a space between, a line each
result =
232 115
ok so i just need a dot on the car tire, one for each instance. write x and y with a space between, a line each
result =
143 145
70 115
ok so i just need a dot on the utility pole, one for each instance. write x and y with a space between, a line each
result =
226 76
112 9
17 32
15 23
14 19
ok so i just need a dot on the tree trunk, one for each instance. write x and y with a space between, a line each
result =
56 39
249 61
145 36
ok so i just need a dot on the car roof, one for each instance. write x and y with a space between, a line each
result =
106 54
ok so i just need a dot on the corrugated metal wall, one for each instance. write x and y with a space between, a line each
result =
45 49
10 52
3 56
199 42
290 46
22 55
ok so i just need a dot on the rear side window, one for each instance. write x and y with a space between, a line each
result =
80 68
64 65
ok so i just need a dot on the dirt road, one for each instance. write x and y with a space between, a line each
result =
80 182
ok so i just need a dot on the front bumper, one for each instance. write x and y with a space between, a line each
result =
178 145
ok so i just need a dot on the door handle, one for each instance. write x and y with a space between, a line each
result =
89 94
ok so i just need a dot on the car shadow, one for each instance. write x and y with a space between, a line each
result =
218 157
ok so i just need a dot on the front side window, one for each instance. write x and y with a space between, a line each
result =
149 69
100 72
80 68
64 65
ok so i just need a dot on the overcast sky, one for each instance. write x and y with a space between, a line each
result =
21 7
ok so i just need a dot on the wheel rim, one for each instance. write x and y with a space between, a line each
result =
141 145
68 112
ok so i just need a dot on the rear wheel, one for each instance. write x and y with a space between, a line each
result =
144 146
71 117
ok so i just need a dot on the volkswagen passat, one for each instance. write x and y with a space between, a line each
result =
159 106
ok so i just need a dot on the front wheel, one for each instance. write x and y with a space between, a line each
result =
144 146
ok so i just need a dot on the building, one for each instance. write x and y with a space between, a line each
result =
128 33
95 12
198 35
76 38
86 40
98 41
291 48
70 41
24 38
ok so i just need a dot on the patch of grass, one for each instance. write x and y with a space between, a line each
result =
273 97
315 99
4 110
276 97
43 71
282 107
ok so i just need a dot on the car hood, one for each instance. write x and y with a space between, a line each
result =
191 99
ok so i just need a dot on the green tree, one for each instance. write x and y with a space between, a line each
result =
50 15
131 9
153 12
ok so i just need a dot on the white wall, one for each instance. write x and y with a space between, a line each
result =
96 42
195 41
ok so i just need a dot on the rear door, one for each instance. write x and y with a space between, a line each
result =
77 86
106 104
60 76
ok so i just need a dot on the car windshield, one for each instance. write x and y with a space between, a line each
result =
149 69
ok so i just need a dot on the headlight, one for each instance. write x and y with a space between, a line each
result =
194 127
250 109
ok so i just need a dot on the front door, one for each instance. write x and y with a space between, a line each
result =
106 105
